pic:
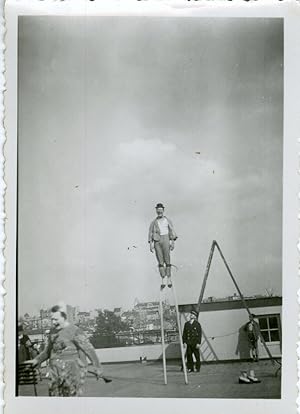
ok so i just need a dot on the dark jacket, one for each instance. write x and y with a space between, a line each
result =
192 333
24 351
254 332
154 232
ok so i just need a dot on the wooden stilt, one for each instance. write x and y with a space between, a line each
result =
180 333
163 337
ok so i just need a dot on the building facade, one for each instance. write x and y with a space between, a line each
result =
223 323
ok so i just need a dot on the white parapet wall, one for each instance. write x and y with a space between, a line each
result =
223 339
133 353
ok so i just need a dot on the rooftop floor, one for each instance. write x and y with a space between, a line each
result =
217 380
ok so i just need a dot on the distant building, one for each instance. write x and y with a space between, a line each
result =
94 314
45 314
72 314
83 317
117 311
129 316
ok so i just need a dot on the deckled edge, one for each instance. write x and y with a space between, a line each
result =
2 202
3 190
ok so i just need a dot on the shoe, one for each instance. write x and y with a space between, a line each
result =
243 378
163 284
254 380
169 282
252 377
106 380
190 370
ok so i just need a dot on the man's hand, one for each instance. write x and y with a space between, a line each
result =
184 345
32 362
198 346
99 372
172 245
151 247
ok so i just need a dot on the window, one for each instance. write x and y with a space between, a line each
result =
269 327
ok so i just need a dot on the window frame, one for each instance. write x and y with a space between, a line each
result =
268 329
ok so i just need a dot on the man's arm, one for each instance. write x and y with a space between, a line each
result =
172 233
257 330
43 356
245 328
150 233
184 334
84 345
199 329
150 237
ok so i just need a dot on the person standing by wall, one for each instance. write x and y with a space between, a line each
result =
24 345
252 330
191 338
161 239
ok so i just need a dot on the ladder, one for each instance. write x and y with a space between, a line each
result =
206 350
162 294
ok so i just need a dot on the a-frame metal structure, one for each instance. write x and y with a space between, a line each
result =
215 246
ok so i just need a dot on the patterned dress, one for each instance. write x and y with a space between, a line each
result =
67 350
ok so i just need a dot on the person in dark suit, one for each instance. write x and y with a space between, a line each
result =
24 345
191 337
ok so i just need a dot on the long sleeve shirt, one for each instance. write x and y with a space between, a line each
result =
69 343
154 231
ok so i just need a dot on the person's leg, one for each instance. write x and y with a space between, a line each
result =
189 357
255 347
160 259
197 356
165 243
250 347
253 350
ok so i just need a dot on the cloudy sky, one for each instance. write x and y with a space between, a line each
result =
117 114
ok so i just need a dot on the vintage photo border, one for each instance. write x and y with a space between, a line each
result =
290 11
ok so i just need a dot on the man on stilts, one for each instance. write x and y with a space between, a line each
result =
162 238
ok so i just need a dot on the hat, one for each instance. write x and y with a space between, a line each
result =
159 205
195 313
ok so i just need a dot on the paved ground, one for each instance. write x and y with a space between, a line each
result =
218 380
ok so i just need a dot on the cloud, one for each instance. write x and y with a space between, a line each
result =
144 152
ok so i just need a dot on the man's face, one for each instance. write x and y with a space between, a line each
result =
160 212
57 319
192 317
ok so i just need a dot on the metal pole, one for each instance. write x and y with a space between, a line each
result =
162 337
206 275
179 333
244 302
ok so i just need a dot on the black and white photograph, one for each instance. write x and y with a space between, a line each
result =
149 207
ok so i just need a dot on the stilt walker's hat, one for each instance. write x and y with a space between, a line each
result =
159 205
